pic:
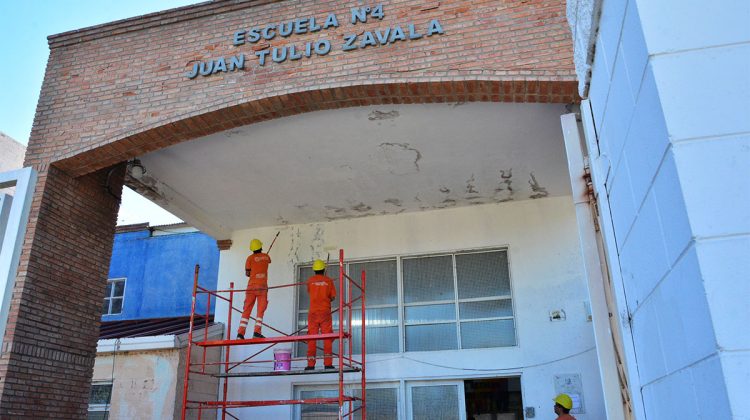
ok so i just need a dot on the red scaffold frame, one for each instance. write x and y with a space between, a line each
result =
346 361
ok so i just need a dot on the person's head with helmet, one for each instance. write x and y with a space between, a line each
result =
319 267
256 246
563 405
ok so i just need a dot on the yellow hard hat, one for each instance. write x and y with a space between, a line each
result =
564 400
319 265
255 245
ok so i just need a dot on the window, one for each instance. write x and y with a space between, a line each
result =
382 305
429 303
435 401
113 297
485 306
99 401
382 402
464 298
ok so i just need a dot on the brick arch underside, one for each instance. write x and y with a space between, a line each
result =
119 148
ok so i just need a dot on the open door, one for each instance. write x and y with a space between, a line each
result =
613 342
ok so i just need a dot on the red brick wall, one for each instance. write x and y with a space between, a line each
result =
126 82
117 91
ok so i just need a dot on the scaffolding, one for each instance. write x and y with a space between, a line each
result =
227 369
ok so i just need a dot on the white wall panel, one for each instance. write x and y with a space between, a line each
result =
715 174
725 263
671 205
705 93
674 25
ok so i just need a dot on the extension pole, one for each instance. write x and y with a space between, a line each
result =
273 242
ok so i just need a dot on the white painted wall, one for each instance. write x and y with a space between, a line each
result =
546 273
670 94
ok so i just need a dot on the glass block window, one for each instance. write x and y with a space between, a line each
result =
99 401
113 297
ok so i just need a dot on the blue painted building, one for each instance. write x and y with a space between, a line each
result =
151 272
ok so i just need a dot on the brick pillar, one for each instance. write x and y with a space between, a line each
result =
49 346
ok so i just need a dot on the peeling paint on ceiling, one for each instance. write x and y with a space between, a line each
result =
336 164
376 115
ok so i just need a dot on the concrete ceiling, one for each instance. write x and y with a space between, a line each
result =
362 161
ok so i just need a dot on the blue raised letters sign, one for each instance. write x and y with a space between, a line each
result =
292 52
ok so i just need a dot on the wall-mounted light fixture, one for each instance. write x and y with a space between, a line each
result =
136 169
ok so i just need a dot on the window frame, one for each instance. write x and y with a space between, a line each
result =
298 312
404 388
401 305
124 281
102 408
298 388
456 300
460 394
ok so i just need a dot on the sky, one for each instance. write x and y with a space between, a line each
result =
24 27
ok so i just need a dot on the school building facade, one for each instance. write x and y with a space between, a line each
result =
445 147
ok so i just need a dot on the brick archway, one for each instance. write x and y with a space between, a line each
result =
527 90
117 91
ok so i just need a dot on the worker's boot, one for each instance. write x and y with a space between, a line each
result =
329 367
258 335
309 367
240 336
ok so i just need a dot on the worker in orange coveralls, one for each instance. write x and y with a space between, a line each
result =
322 292
256 269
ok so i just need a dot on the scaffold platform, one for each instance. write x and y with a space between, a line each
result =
345 362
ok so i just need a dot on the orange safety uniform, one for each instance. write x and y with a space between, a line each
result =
257 289
322 291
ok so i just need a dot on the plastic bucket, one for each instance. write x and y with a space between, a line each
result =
282 359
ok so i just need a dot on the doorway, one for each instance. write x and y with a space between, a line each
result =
493 399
